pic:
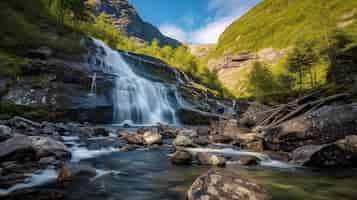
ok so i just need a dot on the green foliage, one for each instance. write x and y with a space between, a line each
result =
60 24
179 57
261 81
282 23
302 59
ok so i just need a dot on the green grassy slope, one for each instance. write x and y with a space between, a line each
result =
281 23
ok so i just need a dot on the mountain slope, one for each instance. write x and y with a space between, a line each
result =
281 23
128 21
268 31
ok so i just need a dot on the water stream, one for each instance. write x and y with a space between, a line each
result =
137 100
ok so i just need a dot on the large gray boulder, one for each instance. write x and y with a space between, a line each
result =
342 153
20 147
5 133
226 185
323 126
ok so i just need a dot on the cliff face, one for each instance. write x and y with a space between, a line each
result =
127 20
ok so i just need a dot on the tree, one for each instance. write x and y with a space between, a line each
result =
301 60
261 81
286 82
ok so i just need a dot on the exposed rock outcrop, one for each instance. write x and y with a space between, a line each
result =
342 153
127 20
323 126
226 185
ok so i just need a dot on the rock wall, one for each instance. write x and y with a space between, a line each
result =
127 20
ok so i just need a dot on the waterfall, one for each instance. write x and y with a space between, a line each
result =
137 100
93 87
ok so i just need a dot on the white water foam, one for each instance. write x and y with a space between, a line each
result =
34 180
137 100
83 153
265 160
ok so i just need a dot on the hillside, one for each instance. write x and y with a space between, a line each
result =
281 23
128 21
270 30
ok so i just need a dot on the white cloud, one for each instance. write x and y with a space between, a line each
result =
174 31
224 13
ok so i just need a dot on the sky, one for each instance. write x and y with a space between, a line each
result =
192 21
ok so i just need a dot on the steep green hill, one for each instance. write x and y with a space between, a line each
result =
281 23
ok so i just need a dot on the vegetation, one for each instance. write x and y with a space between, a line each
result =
282 23
308 66
301 60
60 24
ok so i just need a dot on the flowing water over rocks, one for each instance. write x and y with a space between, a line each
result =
137 100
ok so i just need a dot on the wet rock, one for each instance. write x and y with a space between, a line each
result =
211 159
323 126
342 153
151 138
37 194
167 132
226 185
223 139
86 131
203 131
183 141
5 133
41 53
248 160
196 117
7 181
20 122
181 158
64 174
132 138
129 147
257 146
101 132
46 161
201 140
252 114
21 146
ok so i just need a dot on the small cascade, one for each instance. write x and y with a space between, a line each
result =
137 100
93 88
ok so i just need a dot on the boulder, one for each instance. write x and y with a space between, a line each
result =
69 173
222 139
151 138
132 138
251 114
101 132
226 185
20 122
323 126
342 153
201 140
167 132
211 159
21 146
196 117
5 133
248 160
181 158
183 141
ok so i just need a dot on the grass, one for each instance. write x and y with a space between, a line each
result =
282 23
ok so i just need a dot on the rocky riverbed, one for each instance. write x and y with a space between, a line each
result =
230 161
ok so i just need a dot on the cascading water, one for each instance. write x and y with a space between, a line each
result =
93 87
137 100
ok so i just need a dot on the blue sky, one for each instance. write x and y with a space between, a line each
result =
192 21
